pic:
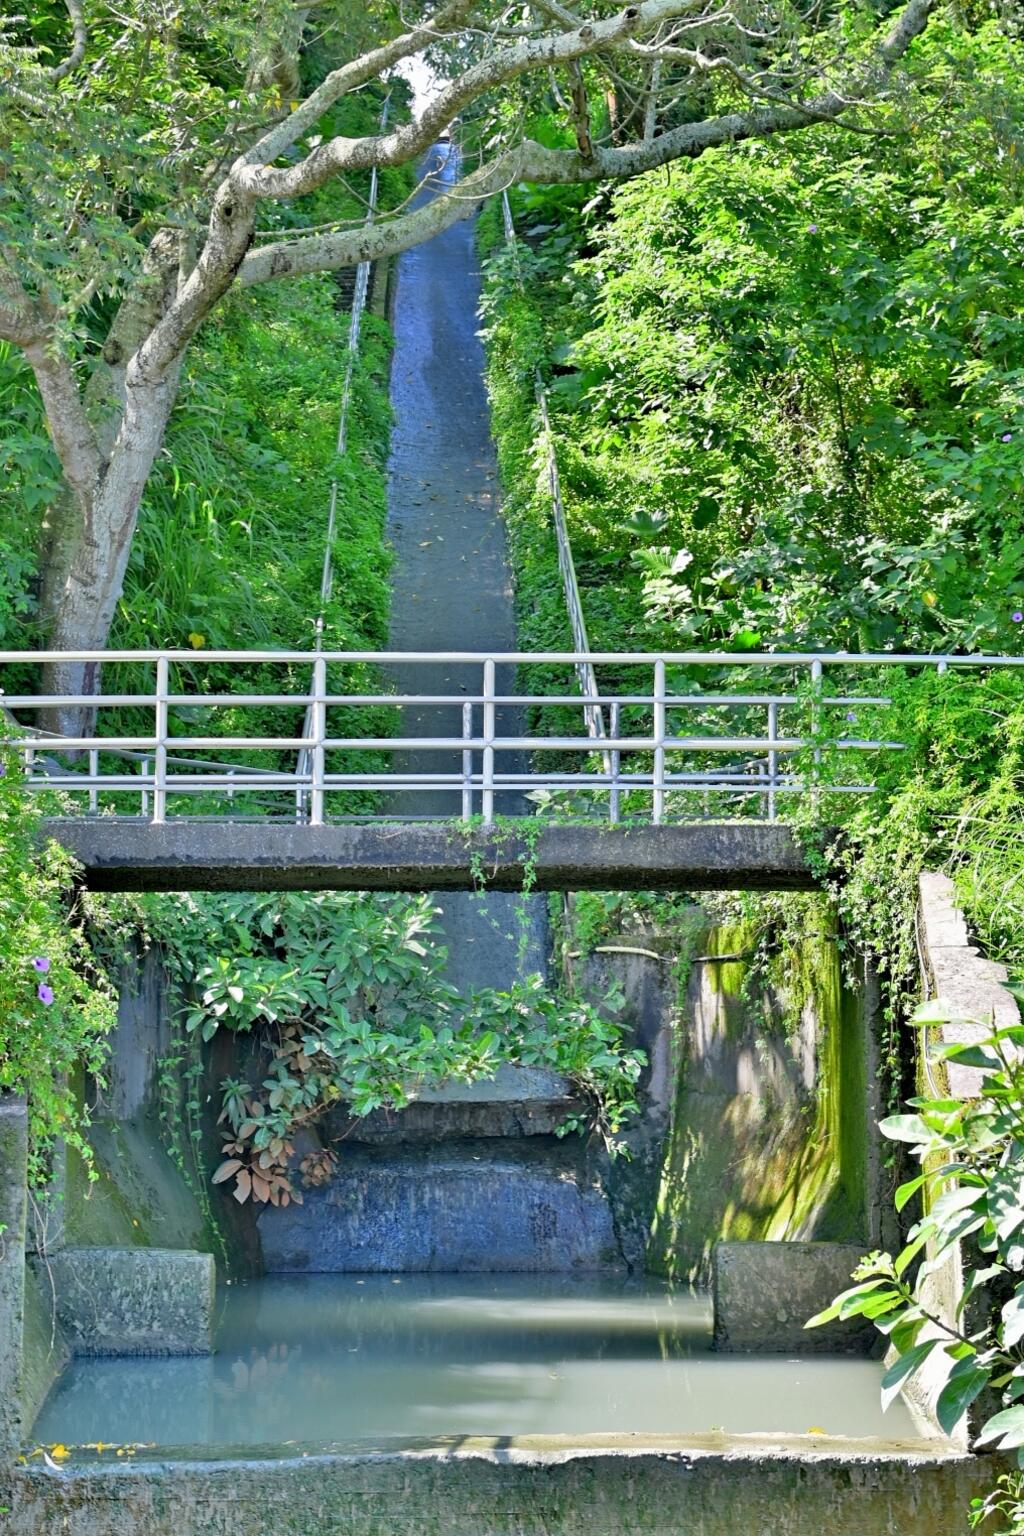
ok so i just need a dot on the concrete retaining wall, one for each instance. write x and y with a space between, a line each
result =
134 1301
710 1487
13 1162
772 1129
765 1293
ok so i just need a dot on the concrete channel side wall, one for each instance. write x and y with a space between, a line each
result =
713 1487
772 1130
954 972
13 1212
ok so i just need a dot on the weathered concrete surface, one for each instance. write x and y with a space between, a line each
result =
771 1127
451 585
458 1206
133 856
134 1301
13 1203
604 1486
955 973
45 1350
765 1292
517 1101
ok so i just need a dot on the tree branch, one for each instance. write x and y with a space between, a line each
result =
81 40
533 162
72 433
369 66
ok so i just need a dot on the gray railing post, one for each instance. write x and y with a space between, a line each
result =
487 781
94 773
144 790
614 760
815 723
467 762
773 758
318 720
160 756
658 777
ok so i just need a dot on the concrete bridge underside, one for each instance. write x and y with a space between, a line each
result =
120 855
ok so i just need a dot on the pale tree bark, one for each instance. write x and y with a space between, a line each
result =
108 434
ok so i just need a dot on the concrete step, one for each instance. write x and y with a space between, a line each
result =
464 1206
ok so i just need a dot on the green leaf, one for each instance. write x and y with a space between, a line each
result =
910 1188
1005 1429
910 1128
967 1379
1013 1320
902 1369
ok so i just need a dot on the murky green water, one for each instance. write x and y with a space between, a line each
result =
337 1357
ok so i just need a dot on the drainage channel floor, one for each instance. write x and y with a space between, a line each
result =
343 1358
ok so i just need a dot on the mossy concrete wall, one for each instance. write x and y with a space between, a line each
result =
13 1203
705 1487
45 1350
771 1126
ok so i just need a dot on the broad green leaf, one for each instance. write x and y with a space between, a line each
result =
1005 1429
910 1128
909 1189
966 1381
902 1369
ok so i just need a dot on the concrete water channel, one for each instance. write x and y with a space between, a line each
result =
575 1396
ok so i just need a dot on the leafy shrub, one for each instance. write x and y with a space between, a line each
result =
346 999
56 1003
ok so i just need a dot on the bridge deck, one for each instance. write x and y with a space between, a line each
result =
119 855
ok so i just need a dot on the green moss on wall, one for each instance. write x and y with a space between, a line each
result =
769 1128
139 1198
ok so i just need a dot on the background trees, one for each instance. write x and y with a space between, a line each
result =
154 160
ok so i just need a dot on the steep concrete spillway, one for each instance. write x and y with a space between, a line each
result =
451 584
482 1183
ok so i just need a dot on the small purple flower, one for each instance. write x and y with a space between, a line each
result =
45 994
41 964
851 714
1017 616
812 229
3 770
1007 437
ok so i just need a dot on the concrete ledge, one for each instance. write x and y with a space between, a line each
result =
134 1301
245 856
710 1485
13 1202
957 974
765 1292
516 1101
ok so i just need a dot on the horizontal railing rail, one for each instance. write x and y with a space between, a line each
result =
164 746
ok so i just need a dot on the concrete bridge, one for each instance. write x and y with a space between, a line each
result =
122 855
616 771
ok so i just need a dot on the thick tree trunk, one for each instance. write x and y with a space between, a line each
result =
89 554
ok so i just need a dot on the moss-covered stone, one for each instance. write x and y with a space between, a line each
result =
769 1128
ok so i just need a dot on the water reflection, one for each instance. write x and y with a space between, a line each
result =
338 1357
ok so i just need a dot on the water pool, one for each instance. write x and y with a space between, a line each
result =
366 1359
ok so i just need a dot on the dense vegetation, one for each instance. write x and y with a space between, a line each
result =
786 388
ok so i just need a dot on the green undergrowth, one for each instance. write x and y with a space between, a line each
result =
232 531
785 387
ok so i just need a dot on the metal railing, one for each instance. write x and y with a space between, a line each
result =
593 713
359 298
692 734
